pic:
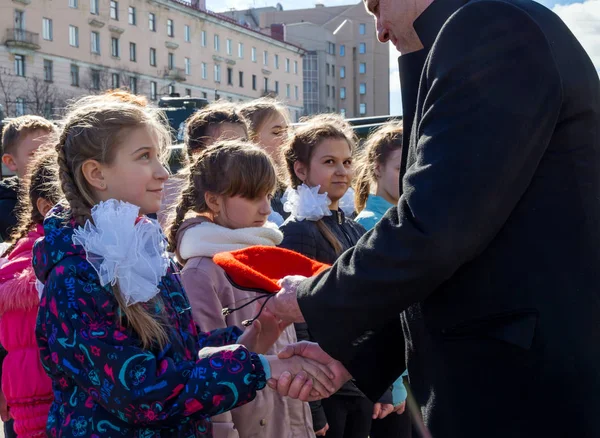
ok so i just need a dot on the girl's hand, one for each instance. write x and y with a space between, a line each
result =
4 413
323 431
315 377
263 332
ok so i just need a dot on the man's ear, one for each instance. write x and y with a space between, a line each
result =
301 171
92 172
9 161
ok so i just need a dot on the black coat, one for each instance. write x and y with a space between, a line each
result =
493 251
9 189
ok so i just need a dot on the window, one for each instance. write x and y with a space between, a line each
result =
170 28
362 68
152 56
204 71
95 74
20 106
254 82
229 76
287 65
343 112
171 61
363 109
342 50
333 93
188 66
265 58
217 43
132 17
187 34
333 71
229 47
217 73
288 91
132 52
74 75
74 36
327 68
328 91
133 84
20 65
343 93
277 61
241 79
48 70
116 81
203 38
114 10
362 89
266 84
114 47
152 90
171 90
253 54
48 110
331 49
73 4
295 67
362 28
94 7
188 92
276 87
240 50
205 95
362 48
152 22
95 42
19 19
47 29
296 93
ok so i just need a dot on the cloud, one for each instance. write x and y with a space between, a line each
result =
584 21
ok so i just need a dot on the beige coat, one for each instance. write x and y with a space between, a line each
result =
209 291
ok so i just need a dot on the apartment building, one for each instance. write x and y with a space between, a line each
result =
346 69
54 50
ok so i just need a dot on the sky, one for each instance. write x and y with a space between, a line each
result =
582 17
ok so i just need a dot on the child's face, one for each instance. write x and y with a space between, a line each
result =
331 168
272 135
388 181
24 151
237 212
136 175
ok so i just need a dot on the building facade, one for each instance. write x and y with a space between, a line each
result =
55 50
346 69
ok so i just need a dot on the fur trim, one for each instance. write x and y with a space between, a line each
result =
19 293
208 239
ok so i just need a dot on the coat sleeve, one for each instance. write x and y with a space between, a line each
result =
491 105
206 305
80 338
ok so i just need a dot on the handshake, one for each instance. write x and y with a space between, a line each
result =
302 370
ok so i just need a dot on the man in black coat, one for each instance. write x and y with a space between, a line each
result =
486 276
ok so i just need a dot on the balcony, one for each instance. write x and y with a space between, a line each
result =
175 74
22 39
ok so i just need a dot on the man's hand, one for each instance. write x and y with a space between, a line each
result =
310 350
4 413
323 431
382 410
400 408
285 304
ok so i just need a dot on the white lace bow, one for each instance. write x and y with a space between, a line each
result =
122 248
306 203
347 202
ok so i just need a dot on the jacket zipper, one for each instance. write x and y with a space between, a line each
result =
340 223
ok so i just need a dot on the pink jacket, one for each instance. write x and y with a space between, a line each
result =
26 386
207 287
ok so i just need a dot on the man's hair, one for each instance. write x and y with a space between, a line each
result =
19 127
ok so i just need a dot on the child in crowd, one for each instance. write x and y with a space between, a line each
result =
268 126
114 328
318 157
21 137
379 165
25 385
219 120
225 207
